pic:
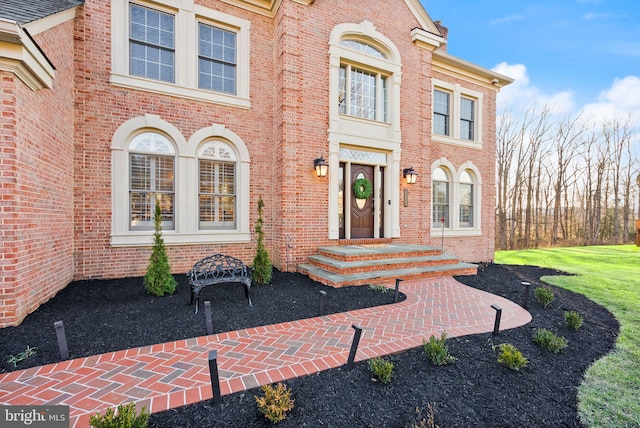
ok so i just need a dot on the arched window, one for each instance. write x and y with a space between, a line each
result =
466 200
217 186
151 180
440 198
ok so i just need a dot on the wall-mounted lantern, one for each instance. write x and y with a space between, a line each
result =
321 166
410 175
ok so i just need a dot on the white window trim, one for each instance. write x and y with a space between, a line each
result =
186 225
187 17
457 92
454 174
345 130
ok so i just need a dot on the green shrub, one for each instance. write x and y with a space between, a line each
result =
511 357
125 417
544 295
549 341
381 369
262 267
275 403
437 351
158 279
379 288
574 320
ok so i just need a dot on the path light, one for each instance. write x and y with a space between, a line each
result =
354 346
62 340
526 293
207 317
496 324
323 294
213 373
410 175
395 298
321 166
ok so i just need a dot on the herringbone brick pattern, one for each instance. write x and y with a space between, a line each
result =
174 374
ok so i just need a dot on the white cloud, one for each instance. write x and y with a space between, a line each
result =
522 95
620 100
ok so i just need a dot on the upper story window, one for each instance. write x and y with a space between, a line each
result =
467 125
151 172
457 115
362 93
217 186
151 45
441 115
182 49
217 59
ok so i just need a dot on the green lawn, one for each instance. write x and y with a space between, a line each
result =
610 276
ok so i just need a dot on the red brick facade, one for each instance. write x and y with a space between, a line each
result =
56 153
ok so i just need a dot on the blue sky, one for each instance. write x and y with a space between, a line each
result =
574 54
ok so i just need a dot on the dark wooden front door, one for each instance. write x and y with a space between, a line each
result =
362 209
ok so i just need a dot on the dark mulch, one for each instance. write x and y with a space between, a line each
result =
474 390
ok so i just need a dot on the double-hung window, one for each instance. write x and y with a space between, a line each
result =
217 59
151 44
362 93
440 199
441 102
151 181
467 107
217 186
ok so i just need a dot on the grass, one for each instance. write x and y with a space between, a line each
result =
610 276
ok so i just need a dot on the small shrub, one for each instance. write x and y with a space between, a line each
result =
379 288
549 341
511 357
381 369
276 402
544 296
158 279
428 422
125 417
574 320
437 351
15 359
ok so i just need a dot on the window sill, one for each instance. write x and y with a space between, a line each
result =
145 239
163 88
437 138
436 233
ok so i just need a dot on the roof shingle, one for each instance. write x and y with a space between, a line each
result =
24 12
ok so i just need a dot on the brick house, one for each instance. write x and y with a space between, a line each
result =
203 106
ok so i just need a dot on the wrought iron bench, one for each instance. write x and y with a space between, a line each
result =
217 269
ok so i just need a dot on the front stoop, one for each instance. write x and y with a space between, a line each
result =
381 264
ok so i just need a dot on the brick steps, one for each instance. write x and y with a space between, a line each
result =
381 264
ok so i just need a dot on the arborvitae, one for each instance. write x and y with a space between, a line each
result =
262 268
158 280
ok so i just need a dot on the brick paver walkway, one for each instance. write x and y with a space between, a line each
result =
174 374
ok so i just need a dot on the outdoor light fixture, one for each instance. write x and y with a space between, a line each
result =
321 166
410 175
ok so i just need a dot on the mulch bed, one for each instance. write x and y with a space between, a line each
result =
103 316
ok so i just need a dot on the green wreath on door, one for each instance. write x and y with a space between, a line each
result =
362 188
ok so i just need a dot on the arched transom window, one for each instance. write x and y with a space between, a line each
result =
151 180
217 185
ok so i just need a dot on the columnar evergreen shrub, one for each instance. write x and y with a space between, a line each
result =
262 268
574 320
158 279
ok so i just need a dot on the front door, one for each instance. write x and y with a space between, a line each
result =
362 219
